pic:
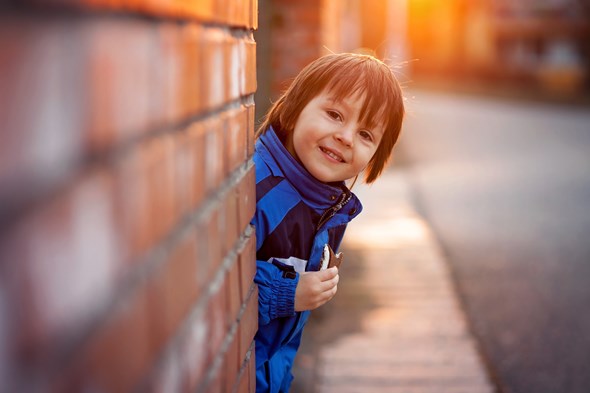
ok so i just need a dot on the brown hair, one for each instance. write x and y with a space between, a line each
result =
343 75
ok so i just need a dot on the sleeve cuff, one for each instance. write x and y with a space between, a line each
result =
283 299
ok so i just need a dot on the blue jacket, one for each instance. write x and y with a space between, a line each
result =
296 215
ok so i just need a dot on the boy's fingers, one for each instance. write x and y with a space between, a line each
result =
331 283
328 274
329 294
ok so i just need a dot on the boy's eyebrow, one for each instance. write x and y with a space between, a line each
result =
369 124
339 102
333 100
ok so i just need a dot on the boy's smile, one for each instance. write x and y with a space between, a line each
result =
329 140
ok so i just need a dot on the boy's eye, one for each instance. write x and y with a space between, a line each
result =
366 135
334 115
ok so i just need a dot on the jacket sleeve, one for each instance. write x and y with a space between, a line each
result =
276 292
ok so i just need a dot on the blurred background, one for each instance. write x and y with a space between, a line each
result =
496 147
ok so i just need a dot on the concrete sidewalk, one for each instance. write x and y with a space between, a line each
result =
396 324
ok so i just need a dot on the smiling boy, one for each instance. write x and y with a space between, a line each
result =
341 116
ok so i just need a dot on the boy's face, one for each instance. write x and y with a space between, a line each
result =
329 140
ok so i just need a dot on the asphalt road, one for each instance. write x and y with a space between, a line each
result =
506 187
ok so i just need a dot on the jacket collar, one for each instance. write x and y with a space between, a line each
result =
283 164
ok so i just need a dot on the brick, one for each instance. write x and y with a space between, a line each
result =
167 376
247 261
251 14
237 128
202 9
152 157
119 79
310 38
243 384
167 185
222 10
192 352
191 55
252 370
251 110
210 237
306 16
214 154
160 179
9 307
230 212
203 253
254 14
217 249
216 384
248 48
230 141
234 298
239 13
243 57
69 255
121 352
174 288
231 364
167 75
151 7
242 125
251 67
41 72
243 17
146 191
184 157
227 68
248 324
225 144
213 79
246 199
205 7
231 11
216 320
134 201
196 141
234 67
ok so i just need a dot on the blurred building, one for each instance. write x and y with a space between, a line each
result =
537 44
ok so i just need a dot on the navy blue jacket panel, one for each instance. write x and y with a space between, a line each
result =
296 215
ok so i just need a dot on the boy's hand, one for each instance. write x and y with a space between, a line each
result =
315 288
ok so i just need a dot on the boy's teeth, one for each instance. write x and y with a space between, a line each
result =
334 156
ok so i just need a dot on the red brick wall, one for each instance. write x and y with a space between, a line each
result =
126 190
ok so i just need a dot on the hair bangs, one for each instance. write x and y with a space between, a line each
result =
368 80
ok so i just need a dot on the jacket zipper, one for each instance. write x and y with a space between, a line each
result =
331 212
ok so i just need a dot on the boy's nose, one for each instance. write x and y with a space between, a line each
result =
345 136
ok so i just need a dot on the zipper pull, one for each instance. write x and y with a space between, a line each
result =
331 212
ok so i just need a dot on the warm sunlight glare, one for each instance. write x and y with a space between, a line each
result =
388 233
